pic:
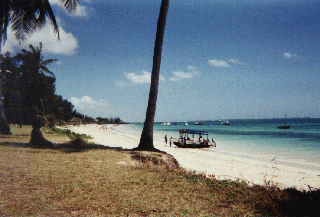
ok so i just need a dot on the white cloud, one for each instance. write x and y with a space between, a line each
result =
100 108
289 55
120 83
174 79
218 63
178 75
191 68
235 61
144 78
139 79
183 75
86 105
67 44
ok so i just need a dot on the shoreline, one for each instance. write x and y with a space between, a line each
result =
214 164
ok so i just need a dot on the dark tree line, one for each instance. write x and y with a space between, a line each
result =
29 88
111 120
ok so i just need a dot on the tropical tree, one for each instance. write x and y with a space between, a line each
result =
34 66
6 72
10 87
146 139
25 16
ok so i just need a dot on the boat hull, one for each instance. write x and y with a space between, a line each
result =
284 127
182 145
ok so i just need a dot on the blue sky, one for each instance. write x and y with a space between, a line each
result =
221 59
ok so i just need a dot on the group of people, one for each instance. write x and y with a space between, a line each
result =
166 140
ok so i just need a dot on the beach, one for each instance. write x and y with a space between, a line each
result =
220 165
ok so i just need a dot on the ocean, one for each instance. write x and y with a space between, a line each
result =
258 139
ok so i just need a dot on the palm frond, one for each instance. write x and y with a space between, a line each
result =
44 10
70 5
4 19
23 19
46 70
48 61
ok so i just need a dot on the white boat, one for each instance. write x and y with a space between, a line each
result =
186 124
225 123
165 123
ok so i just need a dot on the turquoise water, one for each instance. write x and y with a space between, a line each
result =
259 139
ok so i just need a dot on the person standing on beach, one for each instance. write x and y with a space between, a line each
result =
166 139
170 141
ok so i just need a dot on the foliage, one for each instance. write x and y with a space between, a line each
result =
71 134
29 88
115 120
28 16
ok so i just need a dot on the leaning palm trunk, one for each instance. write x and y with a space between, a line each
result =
4 126
146 140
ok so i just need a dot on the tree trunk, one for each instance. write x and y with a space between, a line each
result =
146 140
37 139
4 126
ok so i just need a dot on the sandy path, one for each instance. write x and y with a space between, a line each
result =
219 165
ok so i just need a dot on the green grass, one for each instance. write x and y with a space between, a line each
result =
70 134
108 182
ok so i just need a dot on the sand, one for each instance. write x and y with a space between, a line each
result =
218 165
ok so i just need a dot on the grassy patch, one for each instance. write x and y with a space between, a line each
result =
107 182
70 134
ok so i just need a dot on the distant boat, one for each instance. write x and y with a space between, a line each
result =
165 123
225 123
198 123
186 124
285 126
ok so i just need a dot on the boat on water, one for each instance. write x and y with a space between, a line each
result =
225 123
184 141
186 124
165 123
198 123
285 126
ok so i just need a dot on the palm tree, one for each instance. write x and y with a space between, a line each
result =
146 139
4 21
34 64
26 16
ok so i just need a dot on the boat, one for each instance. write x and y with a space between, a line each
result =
225 123
198 123
186 124
184 140
165 123
285 126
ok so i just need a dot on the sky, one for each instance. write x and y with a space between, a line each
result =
221 59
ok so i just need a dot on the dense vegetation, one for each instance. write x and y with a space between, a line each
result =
29 89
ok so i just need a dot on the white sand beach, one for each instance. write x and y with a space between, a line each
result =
219 165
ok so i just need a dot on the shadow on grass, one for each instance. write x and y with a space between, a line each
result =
76 145
300 203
